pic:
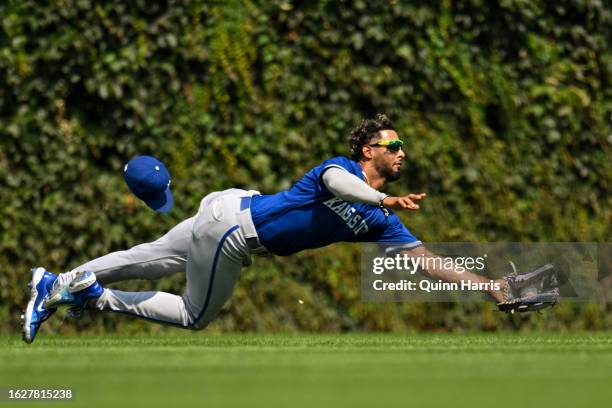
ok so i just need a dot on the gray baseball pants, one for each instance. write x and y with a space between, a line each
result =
210 248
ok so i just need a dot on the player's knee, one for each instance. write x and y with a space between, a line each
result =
193 320
195 323
199 325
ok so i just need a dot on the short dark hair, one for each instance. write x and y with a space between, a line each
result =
364 133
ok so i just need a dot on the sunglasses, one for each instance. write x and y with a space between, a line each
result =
392 145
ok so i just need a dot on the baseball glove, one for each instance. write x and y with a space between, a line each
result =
531 291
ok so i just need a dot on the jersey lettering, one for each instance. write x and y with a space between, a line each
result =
348 214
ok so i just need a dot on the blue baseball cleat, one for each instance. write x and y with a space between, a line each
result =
76 293
36 312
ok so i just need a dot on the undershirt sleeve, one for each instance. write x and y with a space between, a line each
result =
349 187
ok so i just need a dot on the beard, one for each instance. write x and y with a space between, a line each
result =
389 174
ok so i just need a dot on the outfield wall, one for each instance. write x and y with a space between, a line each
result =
505 108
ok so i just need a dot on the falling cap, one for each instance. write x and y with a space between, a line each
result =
149 180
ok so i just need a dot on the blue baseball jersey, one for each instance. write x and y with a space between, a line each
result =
309 216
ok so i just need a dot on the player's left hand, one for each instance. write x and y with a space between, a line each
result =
532 291
407 202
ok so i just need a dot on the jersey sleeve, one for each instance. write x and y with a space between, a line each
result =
339 162
397 235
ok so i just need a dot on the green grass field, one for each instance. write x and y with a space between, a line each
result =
311 370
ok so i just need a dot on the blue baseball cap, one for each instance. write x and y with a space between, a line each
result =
149 180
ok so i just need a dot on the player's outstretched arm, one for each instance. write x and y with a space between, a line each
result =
439 271
351 188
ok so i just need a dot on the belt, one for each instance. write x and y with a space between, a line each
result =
248 228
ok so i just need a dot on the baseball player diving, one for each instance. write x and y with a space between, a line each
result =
341 199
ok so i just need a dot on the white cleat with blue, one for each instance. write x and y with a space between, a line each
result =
36 312
76 293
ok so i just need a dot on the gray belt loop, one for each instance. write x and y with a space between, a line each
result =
246 224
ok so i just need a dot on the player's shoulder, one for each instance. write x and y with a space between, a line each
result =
342 162
316 173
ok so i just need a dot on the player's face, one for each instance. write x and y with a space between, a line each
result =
388 159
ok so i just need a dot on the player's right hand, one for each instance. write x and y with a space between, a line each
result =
407 202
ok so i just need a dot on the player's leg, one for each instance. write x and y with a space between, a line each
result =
76 288
210 281
151 261
213 270
217 251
